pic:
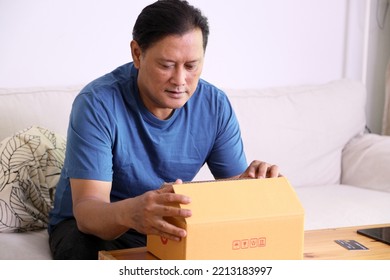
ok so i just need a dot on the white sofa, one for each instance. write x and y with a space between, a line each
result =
315 133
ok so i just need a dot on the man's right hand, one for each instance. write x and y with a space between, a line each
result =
151 208
96 215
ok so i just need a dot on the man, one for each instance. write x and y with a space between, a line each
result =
146 123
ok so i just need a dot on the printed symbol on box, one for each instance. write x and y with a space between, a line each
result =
245 244
254 242
236 245
262 242
164 240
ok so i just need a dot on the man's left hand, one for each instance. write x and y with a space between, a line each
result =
259 169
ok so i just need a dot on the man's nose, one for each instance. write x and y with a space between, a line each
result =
179 76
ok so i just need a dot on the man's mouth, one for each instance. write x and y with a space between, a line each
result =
175 92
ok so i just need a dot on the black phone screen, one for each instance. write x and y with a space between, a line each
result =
381 233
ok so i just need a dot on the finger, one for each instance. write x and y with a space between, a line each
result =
273 171
168 187
262 170
166 229
178 182
171 232
172 211
169 198
251 170
167 194
258 169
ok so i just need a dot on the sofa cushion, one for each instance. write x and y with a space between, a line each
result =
25 107
31 163
332 206
31 245
303 129
366 162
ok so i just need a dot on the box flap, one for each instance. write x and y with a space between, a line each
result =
239 199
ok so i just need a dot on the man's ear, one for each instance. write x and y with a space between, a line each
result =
135 53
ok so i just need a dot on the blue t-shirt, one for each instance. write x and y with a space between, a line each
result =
113 137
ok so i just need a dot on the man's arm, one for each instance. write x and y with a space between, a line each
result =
96 215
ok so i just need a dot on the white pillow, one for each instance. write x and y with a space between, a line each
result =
366 162
31 163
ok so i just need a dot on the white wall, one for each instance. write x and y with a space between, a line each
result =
61 42
253 43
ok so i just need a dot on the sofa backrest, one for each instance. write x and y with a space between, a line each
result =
303 129
46 107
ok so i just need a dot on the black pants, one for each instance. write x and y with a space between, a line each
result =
68 243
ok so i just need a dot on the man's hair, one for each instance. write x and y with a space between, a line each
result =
168 17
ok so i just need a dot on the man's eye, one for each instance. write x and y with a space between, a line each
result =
191 66
167 66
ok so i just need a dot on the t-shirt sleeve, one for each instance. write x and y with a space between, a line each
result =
227 157
89 140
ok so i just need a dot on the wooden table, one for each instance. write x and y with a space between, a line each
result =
321 245
318 245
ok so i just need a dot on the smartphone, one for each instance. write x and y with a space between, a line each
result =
381 234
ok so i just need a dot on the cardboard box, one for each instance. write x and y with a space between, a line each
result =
237 219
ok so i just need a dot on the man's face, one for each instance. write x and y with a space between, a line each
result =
169 71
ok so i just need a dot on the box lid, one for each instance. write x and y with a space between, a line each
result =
239 199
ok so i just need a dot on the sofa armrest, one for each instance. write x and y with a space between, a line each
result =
366 162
